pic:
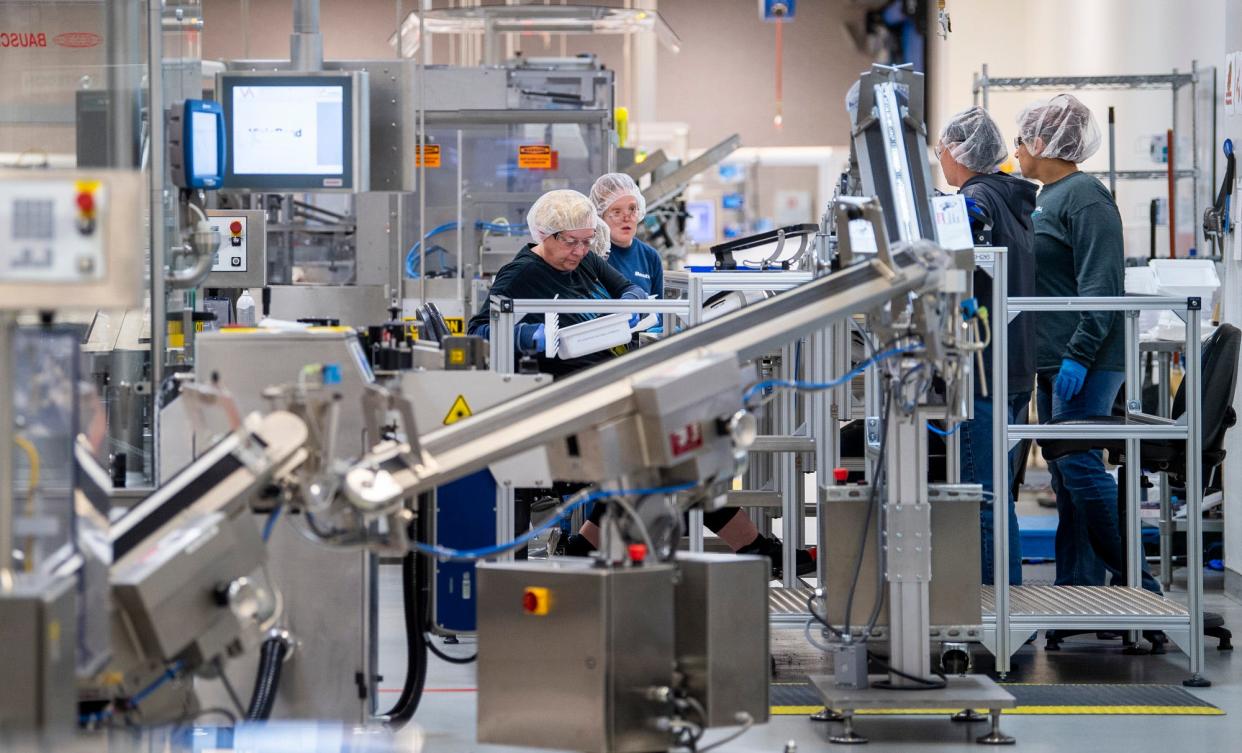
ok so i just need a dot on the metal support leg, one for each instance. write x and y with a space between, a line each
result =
1133 533
1166 508
994 735
791 523
504 516
968 715
848 736
695 522
1000 458
907 516
827 715
1194 496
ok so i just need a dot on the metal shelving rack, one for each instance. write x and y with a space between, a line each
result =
1013 612
984 83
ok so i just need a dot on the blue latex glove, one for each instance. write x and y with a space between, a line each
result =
1070 379
531 338
634 293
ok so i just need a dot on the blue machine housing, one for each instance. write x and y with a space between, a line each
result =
464 518
196 174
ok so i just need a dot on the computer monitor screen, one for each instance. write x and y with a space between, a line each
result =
289 131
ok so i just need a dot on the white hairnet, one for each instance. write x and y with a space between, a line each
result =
610 187
602 245
1064 125
558 211
974 140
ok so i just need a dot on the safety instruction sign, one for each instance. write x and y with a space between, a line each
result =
460 410
428 156
535 157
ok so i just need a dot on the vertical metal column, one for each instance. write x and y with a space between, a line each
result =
505 516
1134 404
694 520
1166 508
907 547
791 523
823 430
1194 487
1000 455
8 326
159 231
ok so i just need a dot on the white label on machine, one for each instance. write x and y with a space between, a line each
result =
862 237
952 222
231 253
52 231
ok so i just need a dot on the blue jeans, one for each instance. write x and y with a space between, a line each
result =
976 462
1088 539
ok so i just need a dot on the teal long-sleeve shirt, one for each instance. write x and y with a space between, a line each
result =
1079 252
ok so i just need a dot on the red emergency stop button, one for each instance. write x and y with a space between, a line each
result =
638 553
236 227
86 202
840 475
535 600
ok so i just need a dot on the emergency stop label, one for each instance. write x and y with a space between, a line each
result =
535 157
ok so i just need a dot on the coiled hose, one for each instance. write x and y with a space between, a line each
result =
267 681
415 647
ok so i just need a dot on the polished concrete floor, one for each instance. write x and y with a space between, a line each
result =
447 713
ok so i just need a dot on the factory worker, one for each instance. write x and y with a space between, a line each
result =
622 206
970 149
562 262
1080 357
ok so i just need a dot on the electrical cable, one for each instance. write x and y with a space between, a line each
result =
229 689
643 533
416 648
746 720
575 502
942 432
816 386
272 655
169 674
872 498
271 521
923 682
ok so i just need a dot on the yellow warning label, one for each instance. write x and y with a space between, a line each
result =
428 157
460 410
456 324
457 357
411 327
535 157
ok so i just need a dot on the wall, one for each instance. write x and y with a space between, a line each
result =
1100 37
721 82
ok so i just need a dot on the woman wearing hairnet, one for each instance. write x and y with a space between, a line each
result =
621 204
970 150
563 262
1080 357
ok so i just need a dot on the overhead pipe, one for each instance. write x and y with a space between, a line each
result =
306 43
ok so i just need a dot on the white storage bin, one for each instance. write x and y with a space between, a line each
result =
587 337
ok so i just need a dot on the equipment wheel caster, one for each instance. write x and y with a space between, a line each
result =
827 715
994 735
848 736
968 715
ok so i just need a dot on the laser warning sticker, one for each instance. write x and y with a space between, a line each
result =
430 156
460 410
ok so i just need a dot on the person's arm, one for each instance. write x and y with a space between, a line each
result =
1099 266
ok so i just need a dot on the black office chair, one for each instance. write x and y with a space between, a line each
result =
1219 379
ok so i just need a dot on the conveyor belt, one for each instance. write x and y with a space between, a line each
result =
1090 607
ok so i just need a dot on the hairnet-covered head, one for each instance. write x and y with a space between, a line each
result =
602 244
558 211
974 140
612 186
1061 128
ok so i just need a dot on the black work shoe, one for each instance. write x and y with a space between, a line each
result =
773 549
